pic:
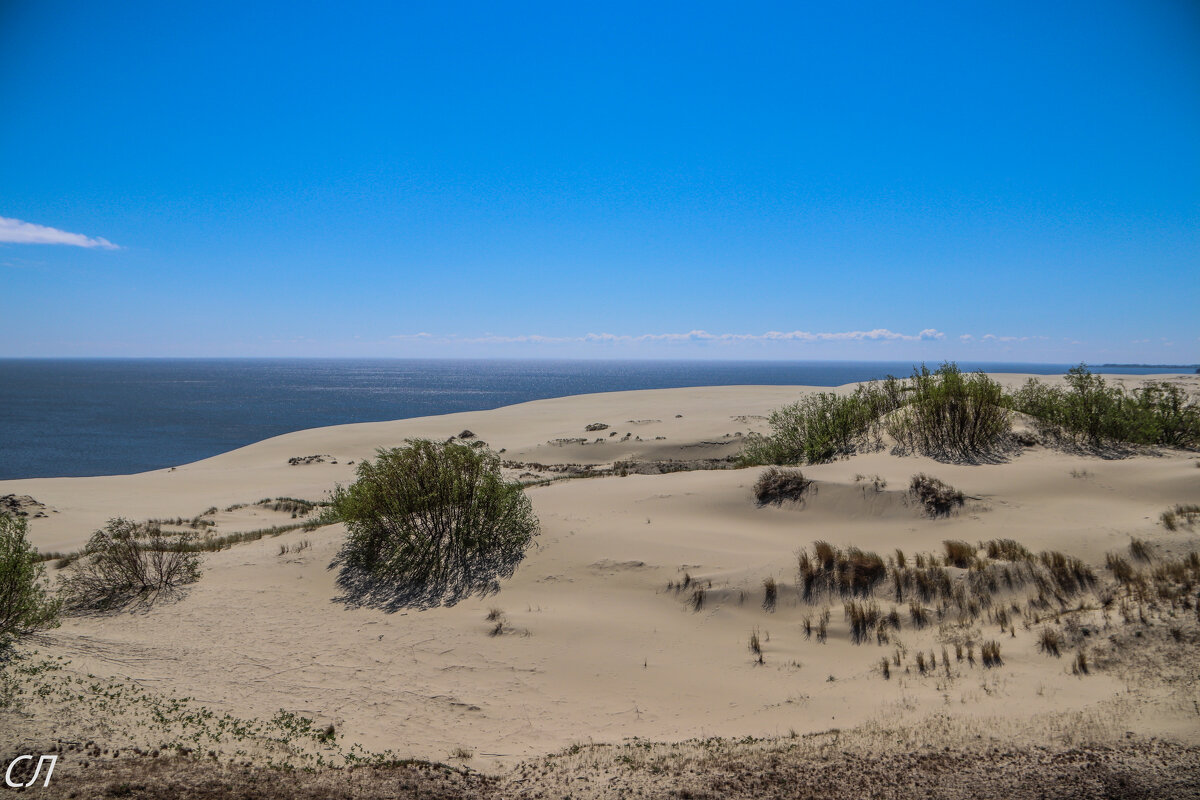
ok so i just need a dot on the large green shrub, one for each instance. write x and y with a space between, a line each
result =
1089 411
431 522
952 414
26 604
127 561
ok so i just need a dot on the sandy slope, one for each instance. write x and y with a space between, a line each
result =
595 646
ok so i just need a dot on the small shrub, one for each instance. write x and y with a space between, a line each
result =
937 498
26 604
126 561
431 522
777 485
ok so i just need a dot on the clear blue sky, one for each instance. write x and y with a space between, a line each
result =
1007 181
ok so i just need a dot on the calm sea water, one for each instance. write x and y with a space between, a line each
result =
61 417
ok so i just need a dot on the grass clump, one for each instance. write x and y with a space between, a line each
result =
770 594
1050 642
990 653
777 485
1007 550
127 561
431 522
26 604
850 572
959 553
938 498
952 414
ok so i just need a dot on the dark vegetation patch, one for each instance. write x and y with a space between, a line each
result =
1091 413
805 768
937 498
429 523
774 486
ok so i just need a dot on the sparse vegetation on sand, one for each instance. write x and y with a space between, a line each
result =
940 413
431 522
1185 515
947 414
775 485
26 604
127 561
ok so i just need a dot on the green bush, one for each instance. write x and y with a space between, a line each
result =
1089 411
952 414
26 604
431 522
127 562
820 427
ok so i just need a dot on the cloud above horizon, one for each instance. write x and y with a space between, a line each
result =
878 334
15 231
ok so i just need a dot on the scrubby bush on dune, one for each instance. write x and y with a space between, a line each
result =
127 561
939 413
952 414
823 426
1089 411
431 522
26 604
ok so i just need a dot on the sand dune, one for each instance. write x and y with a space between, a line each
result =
597 644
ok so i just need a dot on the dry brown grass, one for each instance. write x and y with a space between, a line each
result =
937 498
775 485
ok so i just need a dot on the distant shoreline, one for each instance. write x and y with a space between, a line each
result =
1150 366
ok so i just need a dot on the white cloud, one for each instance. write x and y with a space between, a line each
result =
15 231
878 334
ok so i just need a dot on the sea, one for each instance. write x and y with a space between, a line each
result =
74 417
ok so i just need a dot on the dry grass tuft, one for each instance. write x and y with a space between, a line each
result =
775 485
938 498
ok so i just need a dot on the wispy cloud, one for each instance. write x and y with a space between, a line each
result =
878 334
14 231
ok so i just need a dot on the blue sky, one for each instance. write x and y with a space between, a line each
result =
1008 181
